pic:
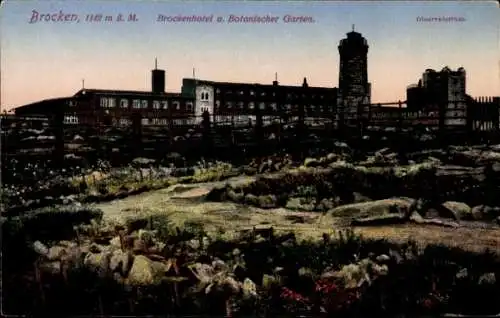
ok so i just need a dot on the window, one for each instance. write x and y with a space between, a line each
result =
252 93
70 120
144 103
124 121
104 102
288 106
124 103
189 106
145 121
241 92
263 94
107 102
164 103
218 91
251 105
71 103
229 105
177 105
136 103
156 104
262 106
204 96
274 106
217 103
241 105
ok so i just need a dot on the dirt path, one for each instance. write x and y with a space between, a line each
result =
184 203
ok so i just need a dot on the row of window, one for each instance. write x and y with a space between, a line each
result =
152 121
272 106
108 102
253 93
413 115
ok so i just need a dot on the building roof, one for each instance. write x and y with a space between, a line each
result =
84 91
215 83
43 106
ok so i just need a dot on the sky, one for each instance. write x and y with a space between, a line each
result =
46 59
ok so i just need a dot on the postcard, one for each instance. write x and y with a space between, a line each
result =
250 158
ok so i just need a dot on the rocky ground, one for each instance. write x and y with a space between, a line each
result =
187 203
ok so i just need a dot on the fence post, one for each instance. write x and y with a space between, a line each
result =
259 128
207 134
58 123
300 124
137 133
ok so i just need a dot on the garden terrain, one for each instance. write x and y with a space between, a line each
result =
338 232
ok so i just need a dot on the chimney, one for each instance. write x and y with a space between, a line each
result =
275 82
304 83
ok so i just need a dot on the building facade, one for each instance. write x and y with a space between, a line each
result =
484 113
235 103
442 91
120 107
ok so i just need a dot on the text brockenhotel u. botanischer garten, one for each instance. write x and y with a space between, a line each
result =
233 18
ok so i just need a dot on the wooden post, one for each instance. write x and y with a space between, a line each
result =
58 124
137 133
300 124
259 127
207 134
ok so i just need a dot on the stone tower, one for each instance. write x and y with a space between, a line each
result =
354 88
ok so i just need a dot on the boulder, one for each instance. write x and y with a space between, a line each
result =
56 253
251 199
146 272
267 201
268 281
99 262
249 288
462 273
487 279
398 207
458 210
121 262
236 197
299 204
116 242
416 218
484 212
383 258
311 162
40 248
